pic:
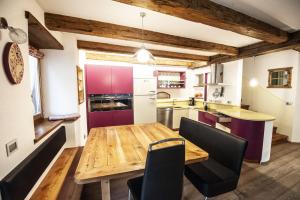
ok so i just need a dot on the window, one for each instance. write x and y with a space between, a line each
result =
280 78
35 86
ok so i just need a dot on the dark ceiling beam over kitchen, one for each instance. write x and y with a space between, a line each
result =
96 28
212 14
111 48
260 48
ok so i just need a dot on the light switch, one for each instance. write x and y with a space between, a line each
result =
11 147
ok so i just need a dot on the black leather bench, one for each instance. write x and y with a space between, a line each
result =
18 183
220 173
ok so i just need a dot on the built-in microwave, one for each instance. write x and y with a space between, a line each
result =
108 102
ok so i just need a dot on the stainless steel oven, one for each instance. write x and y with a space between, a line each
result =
105 102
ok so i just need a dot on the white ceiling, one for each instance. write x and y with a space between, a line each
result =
284 14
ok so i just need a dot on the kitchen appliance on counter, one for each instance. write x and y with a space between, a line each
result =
192 101
165 116
144 100
108 102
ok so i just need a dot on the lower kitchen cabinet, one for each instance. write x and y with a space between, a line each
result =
122 117
177 114
110 118
100 119
223 128
208 118
193 114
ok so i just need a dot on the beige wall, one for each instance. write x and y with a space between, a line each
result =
296 127
267 100
16 108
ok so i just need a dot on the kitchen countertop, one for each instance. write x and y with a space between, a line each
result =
237 113
171 100
246 115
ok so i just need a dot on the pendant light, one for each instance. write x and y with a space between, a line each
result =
143 55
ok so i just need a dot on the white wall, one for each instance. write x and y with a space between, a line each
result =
16 108
271 100
296 125
232 78
233 75
82 107
59 88
59 78
258 68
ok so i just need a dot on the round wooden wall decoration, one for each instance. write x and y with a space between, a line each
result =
13 62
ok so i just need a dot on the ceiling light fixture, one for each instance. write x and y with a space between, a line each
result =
16 34
143 55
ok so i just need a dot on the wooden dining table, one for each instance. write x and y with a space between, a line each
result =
120 151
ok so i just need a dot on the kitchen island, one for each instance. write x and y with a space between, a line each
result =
256 128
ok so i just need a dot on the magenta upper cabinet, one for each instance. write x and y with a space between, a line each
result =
98 79
122 80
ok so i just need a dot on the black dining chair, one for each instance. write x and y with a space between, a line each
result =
163 177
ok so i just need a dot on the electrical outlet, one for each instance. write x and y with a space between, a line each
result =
11 147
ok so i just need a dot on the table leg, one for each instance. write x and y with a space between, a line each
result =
105 189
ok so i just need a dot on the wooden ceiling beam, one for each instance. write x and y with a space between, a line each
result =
260 48
111 48
297 49
130 59
216 15
96 28
38 36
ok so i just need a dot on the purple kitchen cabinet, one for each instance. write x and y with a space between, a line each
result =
122 117
98 79
100 119
253 132
122 80
110 118
207 118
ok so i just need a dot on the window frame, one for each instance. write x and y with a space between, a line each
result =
284 69
38 118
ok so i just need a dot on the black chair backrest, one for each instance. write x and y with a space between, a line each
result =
163 177
18 183
225 148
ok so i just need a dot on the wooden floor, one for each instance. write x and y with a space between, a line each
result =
279 179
